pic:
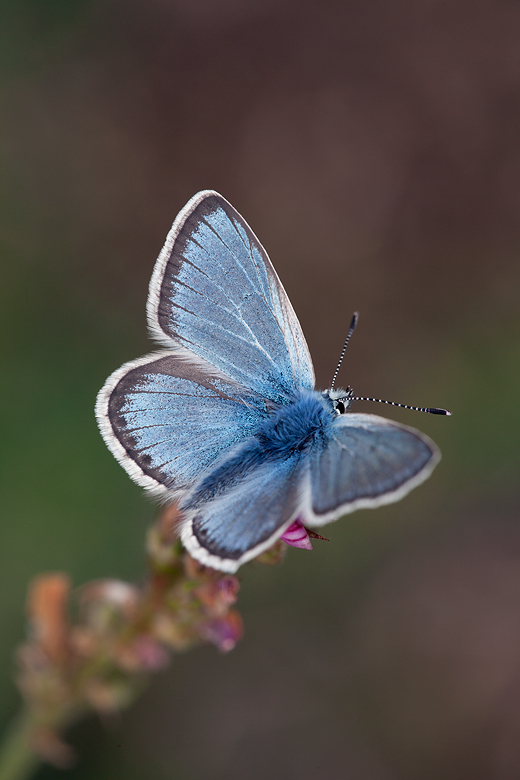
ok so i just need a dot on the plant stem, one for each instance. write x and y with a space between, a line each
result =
17 759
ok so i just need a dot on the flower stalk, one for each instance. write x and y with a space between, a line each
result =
93 650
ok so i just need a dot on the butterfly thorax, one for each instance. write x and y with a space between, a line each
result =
296 426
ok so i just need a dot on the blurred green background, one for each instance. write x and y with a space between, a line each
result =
374 148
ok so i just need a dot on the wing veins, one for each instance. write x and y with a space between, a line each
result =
265 265
231 252
239 264
183 395
251 255
216 325
287 320
231 301
156 444
238 317
264 480
382 465
259 292
343 446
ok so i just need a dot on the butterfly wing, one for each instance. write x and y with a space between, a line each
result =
247 514
167 419
361 461
366 462
215 294
233 340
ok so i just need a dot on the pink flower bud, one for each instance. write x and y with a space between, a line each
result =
143 654
224 632
297 536
228 587
150 653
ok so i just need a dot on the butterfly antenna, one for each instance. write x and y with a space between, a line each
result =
429 409
349 334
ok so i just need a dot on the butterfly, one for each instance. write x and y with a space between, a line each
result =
225 419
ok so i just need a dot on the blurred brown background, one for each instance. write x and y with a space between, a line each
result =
374 147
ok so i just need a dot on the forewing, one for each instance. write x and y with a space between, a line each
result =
367 461
248 517
214 292
167 420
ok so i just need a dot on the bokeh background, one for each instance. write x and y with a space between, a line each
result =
374 147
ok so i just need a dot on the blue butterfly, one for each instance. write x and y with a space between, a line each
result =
225 419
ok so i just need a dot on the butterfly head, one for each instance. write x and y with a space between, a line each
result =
340 399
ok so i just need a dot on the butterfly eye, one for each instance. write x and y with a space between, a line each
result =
340 407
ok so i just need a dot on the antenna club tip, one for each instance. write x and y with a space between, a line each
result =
439 411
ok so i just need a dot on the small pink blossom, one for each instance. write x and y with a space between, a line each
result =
143 654
296 536
228 587
150 653
224 632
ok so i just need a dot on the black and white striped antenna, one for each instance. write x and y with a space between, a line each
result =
349 334
429 409
350 397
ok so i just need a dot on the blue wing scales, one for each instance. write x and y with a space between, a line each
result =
215 293
247 517
367 461
167 420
